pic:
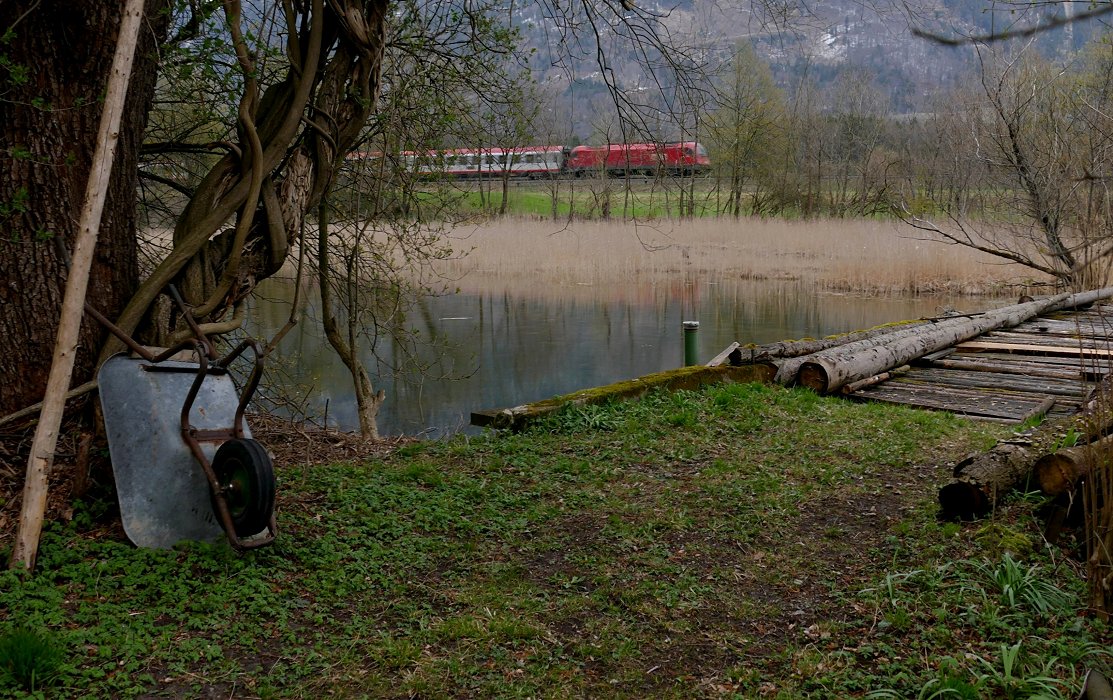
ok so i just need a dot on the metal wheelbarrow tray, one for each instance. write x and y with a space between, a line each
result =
184 462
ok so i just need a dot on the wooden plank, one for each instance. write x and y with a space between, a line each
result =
967 397
999 367
961 394
1042 387
1050 341
986 394
1035 349
1072 328
887 393
722 357
1046 361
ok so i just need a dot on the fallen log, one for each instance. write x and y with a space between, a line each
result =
828 370
791 354
785 349
1061 472
982 479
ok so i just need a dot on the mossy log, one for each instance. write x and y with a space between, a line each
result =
673 380
827 371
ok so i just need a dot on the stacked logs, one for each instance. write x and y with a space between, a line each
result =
1050 455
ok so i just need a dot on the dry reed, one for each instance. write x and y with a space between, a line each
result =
862 257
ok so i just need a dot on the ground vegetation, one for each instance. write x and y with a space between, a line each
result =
734 542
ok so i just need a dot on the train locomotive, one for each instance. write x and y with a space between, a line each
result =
685 158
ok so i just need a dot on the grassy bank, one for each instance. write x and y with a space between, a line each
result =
745 541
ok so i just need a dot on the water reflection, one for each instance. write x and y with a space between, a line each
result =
497 349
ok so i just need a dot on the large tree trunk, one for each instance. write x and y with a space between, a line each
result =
48 125
793 353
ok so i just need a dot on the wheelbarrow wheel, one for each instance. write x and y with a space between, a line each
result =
246 474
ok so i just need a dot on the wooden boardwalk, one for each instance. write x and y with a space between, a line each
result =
1047 365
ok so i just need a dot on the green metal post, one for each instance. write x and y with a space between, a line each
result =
691 329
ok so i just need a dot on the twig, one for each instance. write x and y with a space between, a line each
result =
31 410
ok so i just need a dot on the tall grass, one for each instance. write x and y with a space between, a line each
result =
866 257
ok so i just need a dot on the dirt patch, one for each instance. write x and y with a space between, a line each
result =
293 444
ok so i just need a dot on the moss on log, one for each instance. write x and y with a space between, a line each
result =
695 377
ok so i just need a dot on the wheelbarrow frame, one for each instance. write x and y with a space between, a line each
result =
208 363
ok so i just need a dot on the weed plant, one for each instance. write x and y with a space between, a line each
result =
28 658
742 542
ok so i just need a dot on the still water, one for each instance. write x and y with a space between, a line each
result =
497 349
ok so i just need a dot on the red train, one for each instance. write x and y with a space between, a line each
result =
638 159
534 162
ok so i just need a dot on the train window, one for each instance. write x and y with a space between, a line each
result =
701 149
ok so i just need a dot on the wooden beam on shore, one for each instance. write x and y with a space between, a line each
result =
723 356
693 377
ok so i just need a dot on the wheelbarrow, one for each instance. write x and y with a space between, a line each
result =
185 464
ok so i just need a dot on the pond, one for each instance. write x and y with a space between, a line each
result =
497 349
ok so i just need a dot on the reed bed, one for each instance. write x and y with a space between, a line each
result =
859 257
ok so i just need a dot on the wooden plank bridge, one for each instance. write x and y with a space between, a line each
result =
1047 364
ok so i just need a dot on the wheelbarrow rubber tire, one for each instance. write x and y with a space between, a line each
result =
245 470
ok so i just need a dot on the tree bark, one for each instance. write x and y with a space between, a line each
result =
793 353
827 371
48 125
61 367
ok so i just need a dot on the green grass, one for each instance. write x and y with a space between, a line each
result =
746 541
583 199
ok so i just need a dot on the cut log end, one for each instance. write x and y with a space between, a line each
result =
961 499
1057 474
813 376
